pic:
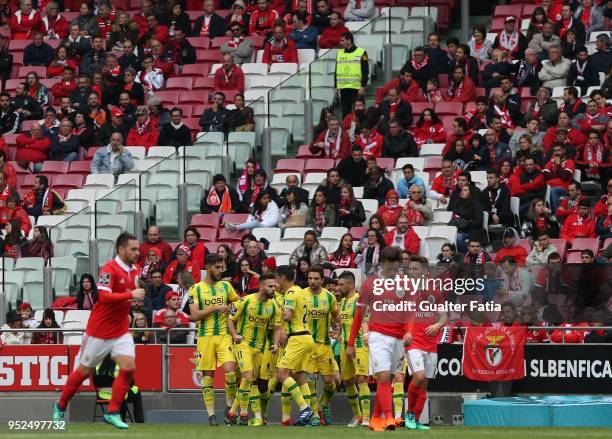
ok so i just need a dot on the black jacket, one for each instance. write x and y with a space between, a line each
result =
301 193
37 55
578 27
60 150
497 201
403 114
399 146
93 61
379 191
248 194
10 121
234 198
30 104
321 21
214 120
590 77
421 76
6 65
503 68
470 68
103 134
76 97
132 61
37 209
351 172
513 102
136 93
468 215
77 48
355 218
182 22
183 54
438 60
454 198
333 194
216 27
601 60
174 137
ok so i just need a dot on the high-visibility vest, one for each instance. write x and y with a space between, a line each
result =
348 68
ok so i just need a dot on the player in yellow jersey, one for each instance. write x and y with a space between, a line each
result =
322 312
293 365
209 305
249 329
355 370
267 371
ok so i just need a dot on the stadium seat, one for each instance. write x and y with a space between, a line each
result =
278 180
313 180
318 165
33 289
280 248
207 234
333 232
64 269
199 42
179 84
289 165
53 167
24 70
579 244
99 181
29 264
417 162
272 234
449 108
79 167
206 220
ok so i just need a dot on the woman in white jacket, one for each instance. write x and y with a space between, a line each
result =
151 78
263 213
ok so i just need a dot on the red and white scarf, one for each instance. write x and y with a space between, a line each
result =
205 29
508 42
593 153
335 141
415 217
320 218
142 127
276 48
235 41
368 141
418 66
503 115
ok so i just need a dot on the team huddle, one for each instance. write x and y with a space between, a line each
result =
283 334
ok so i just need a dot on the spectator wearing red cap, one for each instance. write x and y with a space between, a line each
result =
27 315
510 39
182 262
192 240
391 210
269 265
173 304
153 261
14 212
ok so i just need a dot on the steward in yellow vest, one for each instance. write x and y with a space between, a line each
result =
352 72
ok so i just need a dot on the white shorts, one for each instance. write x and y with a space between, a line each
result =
418 360
93 350
386 353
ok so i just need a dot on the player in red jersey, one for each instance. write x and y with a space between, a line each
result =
387 334
422 352
108 330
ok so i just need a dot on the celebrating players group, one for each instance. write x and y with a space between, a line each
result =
281 334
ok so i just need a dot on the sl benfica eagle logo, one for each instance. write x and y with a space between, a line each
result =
493 352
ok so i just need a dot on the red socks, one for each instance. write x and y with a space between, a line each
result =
384 397
413 395
420 403
120 388
75 379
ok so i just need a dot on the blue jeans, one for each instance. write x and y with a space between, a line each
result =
73 156
461 242
555 197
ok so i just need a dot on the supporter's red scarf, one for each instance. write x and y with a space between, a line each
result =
536 110
509 42
33 91
431 95
585 17
225 204
565 25
205 30
235 42
542 224
228 73
332 143
449 183
277 48
320 217
368 141
418 66
256 190
593 153
345 204
415 217
142 127
504 116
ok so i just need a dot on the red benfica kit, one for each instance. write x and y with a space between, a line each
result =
422 318
110 316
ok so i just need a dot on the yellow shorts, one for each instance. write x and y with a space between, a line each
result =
269 363
215 350
358 366
249 359
322 361
297 353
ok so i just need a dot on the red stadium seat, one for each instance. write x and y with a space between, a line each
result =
24 70
210 55
304 152
219 41
196 70
433 163
585 244
258 41
187 110
223 13
68 181
207 234
561 245
449 108
193 97
27 182
193 124
179 84
82 167
289 165
204 84
199 42
357 232
528 10
53 167
526 93
497 24
386 162
419 107
235 218
10 139
507 10
526 244
318 165
205 220
448 121
198 110
443 80
236 236
574 258
19 169
212 246
18 45
91 152
168 97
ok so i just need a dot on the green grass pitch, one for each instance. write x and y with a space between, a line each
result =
159 431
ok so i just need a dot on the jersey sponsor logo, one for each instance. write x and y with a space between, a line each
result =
317 313
258 320
214 301
104 279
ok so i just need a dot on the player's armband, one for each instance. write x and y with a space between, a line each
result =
190 300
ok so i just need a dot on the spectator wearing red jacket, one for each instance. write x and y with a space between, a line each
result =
403 237
558 173
7 169
460 131
429 129
106 17
527 183
33 147
572 136
391 210
359 106
173 304
407 87
594 158
330 37
25 22
164 62
333 143
444 184
229 76
601 208
569 204
54 26
64 87
156 31
461 89
579 225
182 262
154 240
593 119
146 8
192 240
279 49
370 141
263 19
511 248
14 212
143 133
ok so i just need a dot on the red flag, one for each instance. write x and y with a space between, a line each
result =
495 353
